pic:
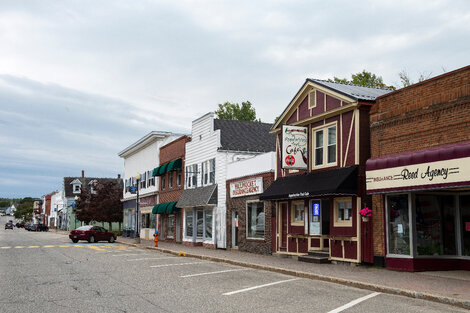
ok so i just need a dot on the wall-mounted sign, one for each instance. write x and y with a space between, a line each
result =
294 147
133 189
316 209
246 187
417 176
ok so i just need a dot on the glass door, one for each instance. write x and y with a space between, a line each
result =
314 218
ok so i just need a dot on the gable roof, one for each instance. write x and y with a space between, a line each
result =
245 136
68 186
351 91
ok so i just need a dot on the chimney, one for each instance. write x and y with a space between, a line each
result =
119 176
83 174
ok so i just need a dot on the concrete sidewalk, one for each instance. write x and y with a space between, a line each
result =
450 287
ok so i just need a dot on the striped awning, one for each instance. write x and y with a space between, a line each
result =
167 167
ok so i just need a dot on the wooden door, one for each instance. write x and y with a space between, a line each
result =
284 212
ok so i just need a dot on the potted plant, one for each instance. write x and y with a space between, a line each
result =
365 214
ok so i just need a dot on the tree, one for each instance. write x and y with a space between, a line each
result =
24 209
406 80
83 207
364 78
108 203
233 111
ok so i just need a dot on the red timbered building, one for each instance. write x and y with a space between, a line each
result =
322 145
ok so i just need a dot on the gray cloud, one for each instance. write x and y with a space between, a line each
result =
82 80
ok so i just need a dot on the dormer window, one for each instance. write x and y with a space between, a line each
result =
76 186
92 185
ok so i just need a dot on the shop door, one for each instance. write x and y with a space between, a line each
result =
235 229
367 251
465 217
284 212
178 227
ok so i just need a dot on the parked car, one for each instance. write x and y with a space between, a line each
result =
91 234
27 226
41 227
33 227
9 225
20 224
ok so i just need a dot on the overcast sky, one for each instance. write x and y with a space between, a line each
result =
82 80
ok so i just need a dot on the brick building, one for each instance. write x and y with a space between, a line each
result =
171 173
419 174
249 220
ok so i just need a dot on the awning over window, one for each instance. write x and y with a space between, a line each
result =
166 207
341 181
167 167
437 167
196 197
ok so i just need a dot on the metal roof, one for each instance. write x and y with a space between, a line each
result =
354 91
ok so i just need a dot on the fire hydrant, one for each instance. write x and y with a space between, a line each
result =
156 238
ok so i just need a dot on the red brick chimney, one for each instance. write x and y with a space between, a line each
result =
83 174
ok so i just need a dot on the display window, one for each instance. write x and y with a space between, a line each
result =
398 225
297 215
255 220
343 212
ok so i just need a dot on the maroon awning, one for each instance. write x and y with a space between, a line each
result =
442 153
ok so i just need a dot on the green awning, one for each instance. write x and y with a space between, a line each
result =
155 171
170 166
175 165
166 207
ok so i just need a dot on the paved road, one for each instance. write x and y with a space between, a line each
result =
47 272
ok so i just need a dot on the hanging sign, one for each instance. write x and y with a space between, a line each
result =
294 147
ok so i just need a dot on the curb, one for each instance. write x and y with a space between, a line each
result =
341 281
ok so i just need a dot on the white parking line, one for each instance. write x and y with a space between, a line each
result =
354 302
210 273
127 254
260 286
164 265
142 259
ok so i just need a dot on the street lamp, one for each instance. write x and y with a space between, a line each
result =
137 238
75 212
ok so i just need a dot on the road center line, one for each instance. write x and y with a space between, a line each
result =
164 265
170 257
354 302
260 286
210 273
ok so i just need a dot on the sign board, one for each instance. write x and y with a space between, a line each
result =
133 189
423 175
315 220
247 187
294 147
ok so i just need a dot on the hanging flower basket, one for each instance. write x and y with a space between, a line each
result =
365 214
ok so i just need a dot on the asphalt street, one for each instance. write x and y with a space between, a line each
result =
42 271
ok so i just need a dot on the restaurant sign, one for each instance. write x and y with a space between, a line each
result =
294 147
246 187
419 176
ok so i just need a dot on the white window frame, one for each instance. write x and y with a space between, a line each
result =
170 180
293 222
325 145
178 178
163 182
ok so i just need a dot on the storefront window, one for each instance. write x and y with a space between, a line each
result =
255 220
398 225
297 213
435 225
152 221
189 221
200 223
171 226
465 221
208 222
344 210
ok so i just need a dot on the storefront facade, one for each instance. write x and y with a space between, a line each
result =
249 226
419 175
322 147
171 173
